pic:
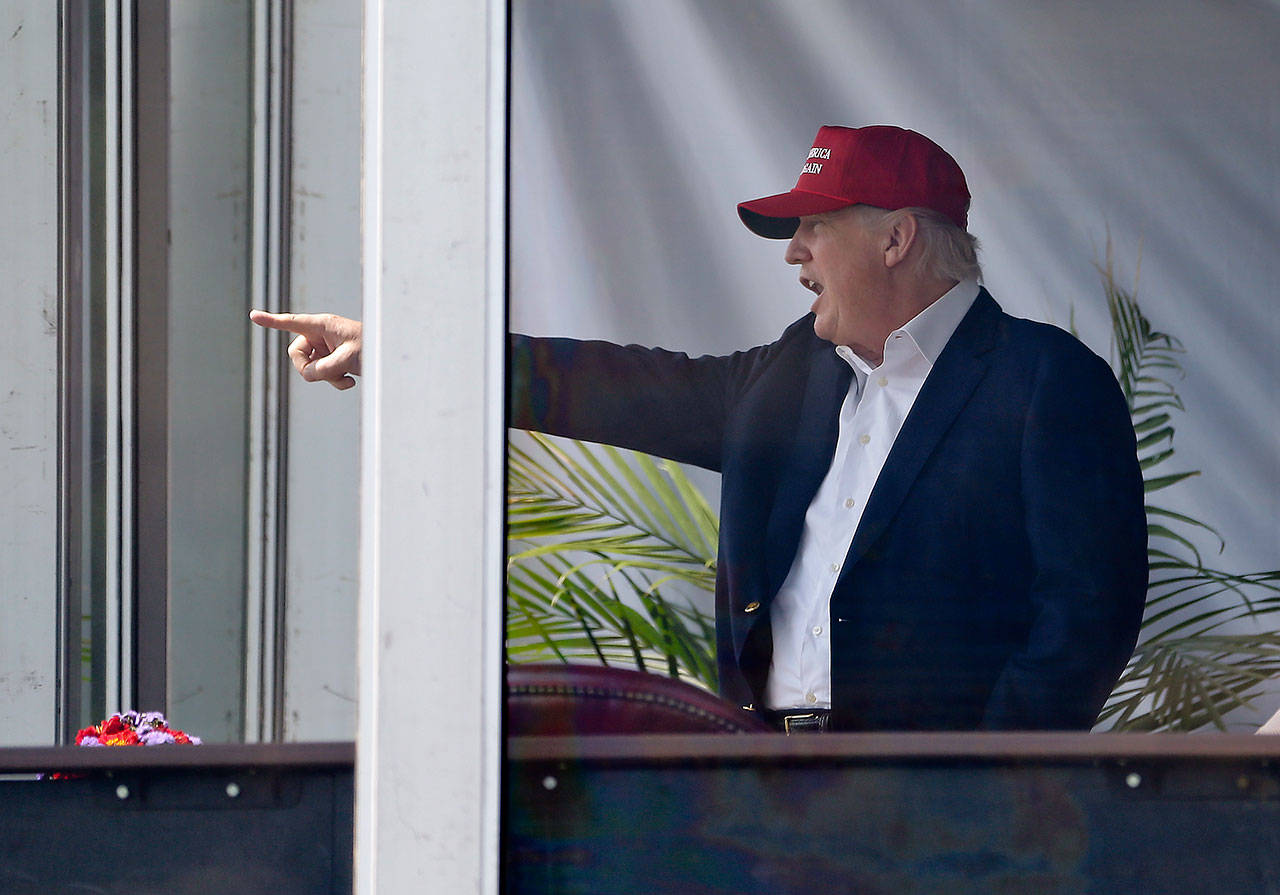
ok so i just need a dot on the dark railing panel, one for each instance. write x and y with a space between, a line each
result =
740 813
893 814
178 819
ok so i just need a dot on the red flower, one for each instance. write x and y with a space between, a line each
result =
112 725
122 737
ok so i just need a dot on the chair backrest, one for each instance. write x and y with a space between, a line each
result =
574 700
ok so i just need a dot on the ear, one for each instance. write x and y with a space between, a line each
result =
899 239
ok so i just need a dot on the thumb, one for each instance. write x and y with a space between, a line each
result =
344 360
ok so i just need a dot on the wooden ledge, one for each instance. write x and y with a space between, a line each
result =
1069 748
47 759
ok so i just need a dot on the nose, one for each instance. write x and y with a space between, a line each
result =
797 251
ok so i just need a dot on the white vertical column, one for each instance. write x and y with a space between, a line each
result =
430 639
29 633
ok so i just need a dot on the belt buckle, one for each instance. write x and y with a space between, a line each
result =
801 723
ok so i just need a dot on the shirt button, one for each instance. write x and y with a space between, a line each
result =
882 381
864 439
835 567
817 630
811 697
848 503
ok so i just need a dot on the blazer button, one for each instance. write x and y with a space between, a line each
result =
751 607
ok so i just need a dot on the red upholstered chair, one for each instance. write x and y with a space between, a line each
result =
576 700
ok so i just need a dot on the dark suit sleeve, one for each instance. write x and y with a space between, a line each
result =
660 402
1086 524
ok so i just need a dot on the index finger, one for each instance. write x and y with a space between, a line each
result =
302 324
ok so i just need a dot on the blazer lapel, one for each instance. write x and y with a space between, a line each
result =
811 453
950 384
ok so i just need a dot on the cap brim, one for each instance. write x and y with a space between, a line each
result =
776 217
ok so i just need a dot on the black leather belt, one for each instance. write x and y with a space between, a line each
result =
791 721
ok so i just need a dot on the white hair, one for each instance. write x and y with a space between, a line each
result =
945 250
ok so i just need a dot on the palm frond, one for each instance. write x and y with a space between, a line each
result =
1185 674
1186 683
606 550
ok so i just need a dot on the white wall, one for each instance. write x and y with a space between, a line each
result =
210 115
212 184
29 371
323 423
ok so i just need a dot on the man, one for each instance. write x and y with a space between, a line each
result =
931 512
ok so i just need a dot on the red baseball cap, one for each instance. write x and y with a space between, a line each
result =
879 165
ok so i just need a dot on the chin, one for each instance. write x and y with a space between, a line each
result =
823 329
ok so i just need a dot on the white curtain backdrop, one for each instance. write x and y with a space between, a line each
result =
638 125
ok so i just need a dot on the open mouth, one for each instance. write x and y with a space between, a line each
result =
812 285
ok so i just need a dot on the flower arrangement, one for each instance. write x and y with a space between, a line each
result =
134 729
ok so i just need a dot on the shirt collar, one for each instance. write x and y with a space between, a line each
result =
932 328
929 330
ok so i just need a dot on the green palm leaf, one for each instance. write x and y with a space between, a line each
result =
606 551
1185 674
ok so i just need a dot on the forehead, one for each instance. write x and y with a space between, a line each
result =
859 213
852 217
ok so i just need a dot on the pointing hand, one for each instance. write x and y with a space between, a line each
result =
327 347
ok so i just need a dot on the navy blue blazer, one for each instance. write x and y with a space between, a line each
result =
998 575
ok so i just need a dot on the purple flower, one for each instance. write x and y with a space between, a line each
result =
151 720
150 737
91 741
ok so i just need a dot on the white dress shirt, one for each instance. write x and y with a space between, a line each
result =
871 416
